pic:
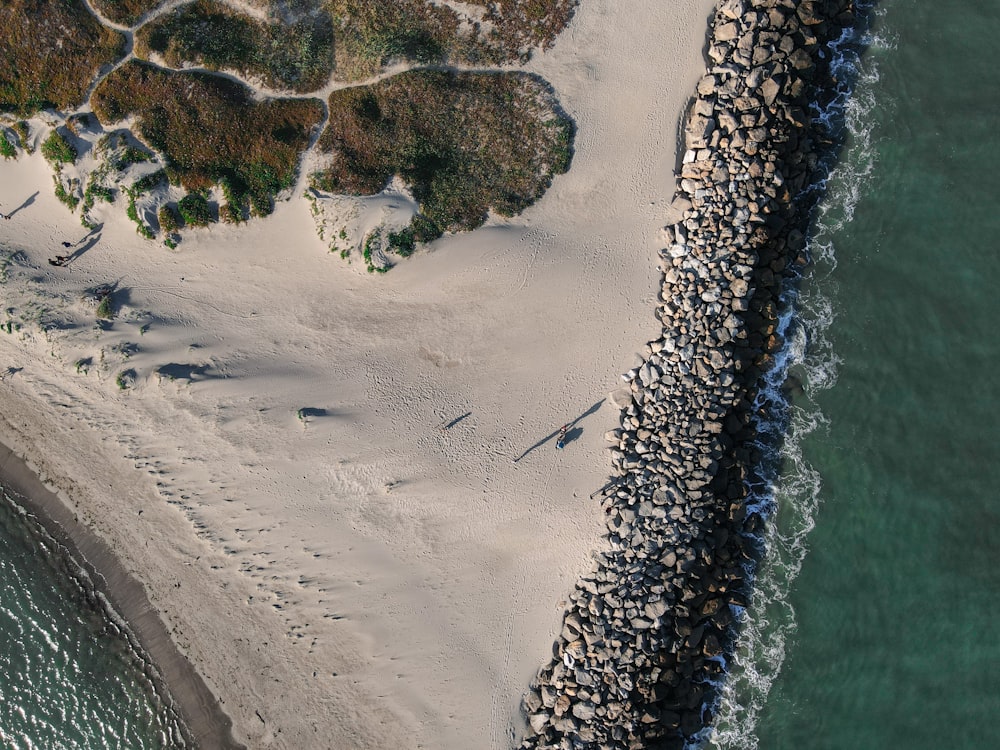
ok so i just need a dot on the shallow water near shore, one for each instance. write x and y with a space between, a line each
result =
873 624
73 680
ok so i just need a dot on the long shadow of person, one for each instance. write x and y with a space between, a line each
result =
27 202
83 248
572 431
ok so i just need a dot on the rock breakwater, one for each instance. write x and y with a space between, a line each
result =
646 635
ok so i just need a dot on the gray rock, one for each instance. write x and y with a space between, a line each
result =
769 91
538 721
584 711
656 609
726 32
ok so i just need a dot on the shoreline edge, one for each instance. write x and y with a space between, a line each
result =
174 677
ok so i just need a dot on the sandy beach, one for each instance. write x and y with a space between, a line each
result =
312 476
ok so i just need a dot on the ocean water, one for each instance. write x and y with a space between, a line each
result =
68 677
876 618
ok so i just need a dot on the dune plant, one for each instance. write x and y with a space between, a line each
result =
7 149
106 308
57 150
125 379
126 12
24 134
169 219
209 128
296 56
50 52
465 143
66 197
194 210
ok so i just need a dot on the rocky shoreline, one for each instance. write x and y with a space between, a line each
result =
646 635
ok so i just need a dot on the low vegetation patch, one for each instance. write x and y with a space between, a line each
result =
106 308
126 12
96 190
7 149
465 143
128 156
518 25
49 54
169 219
21 128
132 211
125 379
210 129
194 210
295 56
150 181
66 196
57 150
370 33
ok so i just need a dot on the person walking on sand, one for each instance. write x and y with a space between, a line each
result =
561 439
59 260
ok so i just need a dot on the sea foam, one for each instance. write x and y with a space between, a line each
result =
806 366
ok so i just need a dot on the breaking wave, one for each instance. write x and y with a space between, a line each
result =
807 365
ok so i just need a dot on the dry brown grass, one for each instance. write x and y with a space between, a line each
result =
210 130
295 56
464 142
370 33
126 12
50 52
522 24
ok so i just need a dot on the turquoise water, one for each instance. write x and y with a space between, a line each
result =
878 611
68 678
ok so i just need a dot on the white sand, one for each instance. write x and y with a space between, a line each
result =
363 579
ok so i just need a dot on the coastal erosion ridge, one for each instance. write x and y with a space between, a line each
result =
647 636
201 715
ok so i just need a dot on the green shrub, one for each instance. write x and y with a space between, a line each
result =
65 197
132 212
194 210
125 379
230 214
169 219
96 191
106 308
7 149
403 242
57 150
148 182
128 156
21 128
425 230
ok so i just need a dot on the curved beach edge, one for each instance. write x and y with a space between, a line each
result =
177 680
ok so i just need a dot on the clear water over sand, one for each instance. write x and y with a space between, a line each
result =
877 623
72 680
